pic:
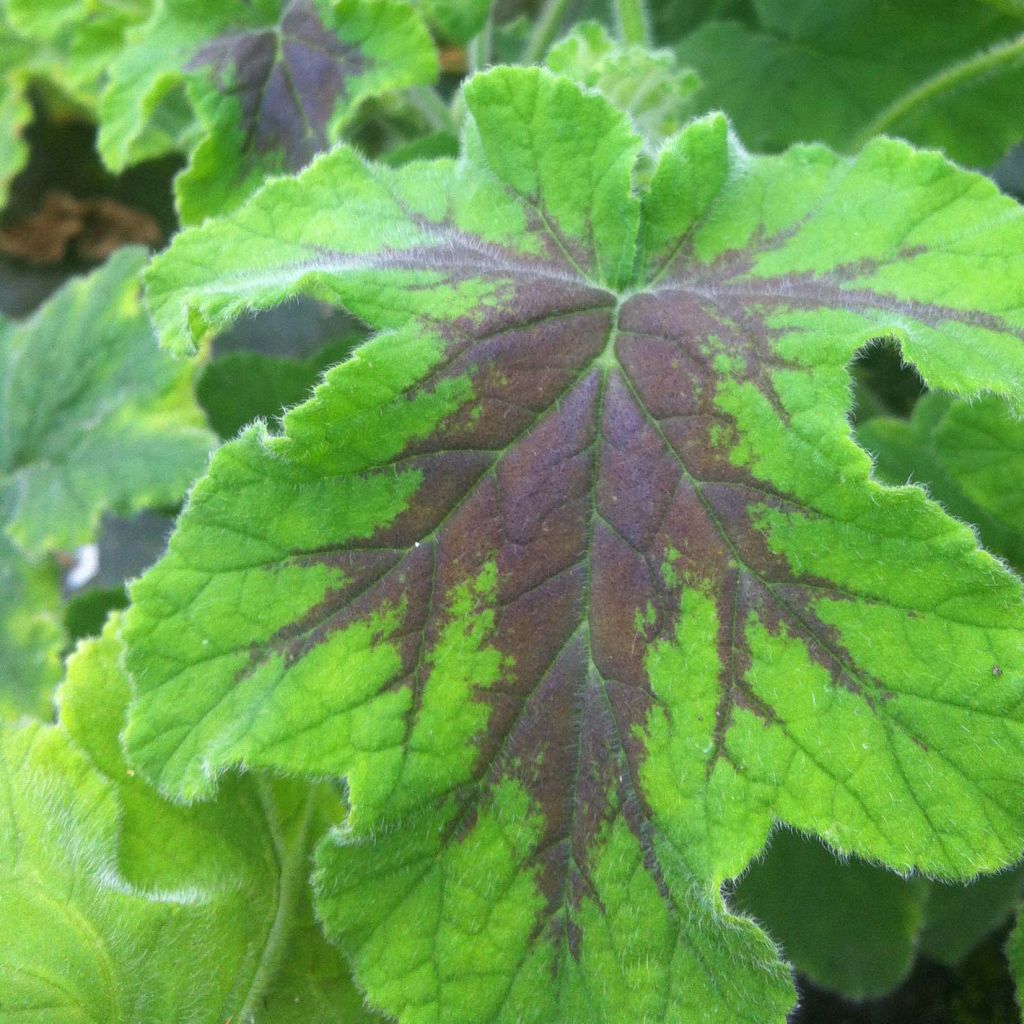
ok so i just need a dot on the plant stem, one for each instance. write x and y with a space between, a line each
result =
545 30
292 866
946 80
634 27
431 108
481 46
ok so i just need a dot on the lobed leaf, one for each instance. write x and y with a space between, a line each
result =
574 572
272 83
937 72
108 893
65 44
93 416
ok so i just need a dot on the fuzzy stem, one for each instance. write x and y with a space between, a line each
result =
480 51
947 79
634 27
545 30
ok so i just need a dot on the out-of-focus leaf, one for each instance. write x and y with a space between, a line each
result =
969 456
646 84
93 416
944 73
119 907
847 925
272 83
958 917
243 386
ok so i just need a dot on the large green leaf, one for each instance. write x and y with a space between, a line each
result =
116 906
574 571
93 416
272 82
938 72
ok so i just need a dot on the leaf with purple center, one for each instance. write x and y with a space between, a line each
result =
574 571
254 88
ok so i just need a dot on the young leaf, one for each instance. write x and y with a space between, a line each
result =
116 906
969 456
272 84
849 926
93 416
574 572
646 84
938 72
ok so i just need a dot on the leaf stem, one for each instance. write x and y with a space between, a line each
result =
292 866
947 79
481 46
545 30
634 23
431 108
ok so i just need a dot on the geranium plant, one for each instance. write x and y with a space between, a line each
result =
616 618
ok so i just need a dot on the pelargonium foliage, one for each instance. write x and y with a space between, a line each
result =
574 572
253 88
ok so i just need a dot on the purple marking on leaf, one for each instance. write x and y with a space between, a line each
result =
287 80
583 477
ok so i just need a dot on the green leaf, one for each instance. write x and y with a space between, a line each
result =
272 84
86 613
31 636
116 906
646 84
672 18
574 571
243 386
1015 955
970 458
1015 7
848 926
938 72
93 416
47 19
65 45
456 20
15 114
958 917
313 985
